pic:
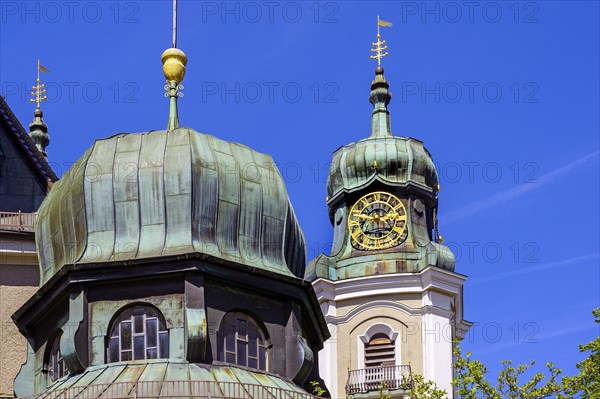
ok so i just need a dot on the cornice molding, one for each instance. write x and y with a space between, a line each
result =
429 279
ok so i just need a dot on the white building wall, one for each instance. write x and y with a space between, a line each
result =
375 299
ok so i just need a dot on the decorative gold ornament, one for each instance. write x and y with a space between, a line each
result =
174 62
377 221
379 46
39 90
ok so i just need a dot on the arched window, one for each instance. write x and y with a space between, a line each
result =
242 342
379 351
55 366
138 332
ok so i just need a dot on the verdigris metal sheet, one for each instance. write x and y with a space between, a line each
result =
228 374
162 370
202 374
178 193
99 200
163 193
126 197
177 372
152 197
250 212
400 160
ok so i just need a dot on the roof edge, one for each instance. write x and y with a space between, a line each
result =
39 162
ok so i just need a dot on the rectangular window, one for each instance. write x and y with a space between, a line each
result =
139 348
151 353
113 349
151 332
126 335
262 358
164 345
241 329
241 353
138 324
230 357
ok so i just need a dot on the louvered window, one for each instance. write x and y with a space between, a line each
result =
380 351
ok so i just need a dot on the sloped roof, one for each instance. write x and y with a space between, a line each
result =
164 378
26 144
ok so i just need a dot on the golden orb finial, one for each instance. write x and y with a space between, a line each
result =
174 62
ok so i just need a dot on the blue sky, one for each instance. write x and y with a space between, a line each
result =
505 95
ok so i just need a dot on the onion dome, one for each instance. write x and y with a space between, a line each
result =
394 161
169 193
382 163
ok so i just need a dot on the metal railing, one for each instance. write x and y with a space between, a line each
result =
375 378
17 221
173 389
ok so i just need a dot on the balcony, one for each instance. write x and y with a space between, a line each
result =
373 379
17 221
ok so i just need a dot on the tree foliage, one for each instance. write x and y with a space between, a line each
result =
471 379
424 389
586 384
471 382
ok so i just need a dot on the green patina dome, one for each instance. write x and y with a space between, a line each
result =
401 162
165 193
382 162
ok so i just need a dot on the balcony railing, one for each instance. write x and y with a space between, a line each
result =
376 378
174 389
17 221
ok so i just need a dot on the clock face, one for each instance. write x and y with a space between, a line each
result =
377 221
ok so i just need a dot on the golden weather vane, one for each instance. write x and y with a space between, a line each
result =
379 46
39 91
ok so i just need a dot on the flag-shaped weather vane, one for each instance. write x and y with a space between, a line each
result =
379 46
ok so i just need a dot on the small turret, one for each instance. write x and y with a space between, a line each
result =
38 130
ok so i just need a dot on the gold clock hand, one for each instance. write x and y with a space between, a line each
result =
389 216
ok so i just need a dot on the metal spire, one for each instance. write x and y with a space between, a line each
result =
380 96
174 23
38 130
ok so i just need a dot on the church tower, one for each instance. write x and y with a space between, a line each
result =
388 290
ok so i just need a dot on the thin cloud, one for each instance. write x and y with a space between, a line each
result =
536 268
515 192
568 330
495 347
